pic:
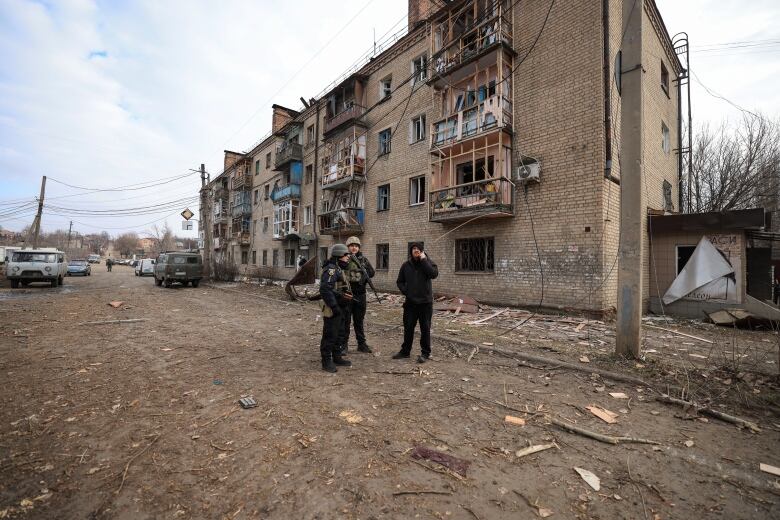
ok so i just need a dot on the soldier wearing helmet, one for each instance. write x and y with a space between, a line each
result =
357 273
336 296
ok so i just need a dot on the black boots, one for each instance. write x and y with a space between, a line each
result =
422 358
364 348
329 366
340 361
401 355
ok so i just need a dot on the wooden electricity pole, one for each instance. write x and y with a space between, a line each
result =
204 221
632 203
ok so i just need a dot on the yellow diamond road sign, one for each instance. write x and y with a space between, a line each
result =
187 214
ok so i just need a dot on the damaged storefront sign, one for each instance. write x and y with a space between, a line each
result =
709 275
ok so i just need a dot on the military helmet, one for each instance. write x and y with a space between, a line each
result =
338 250
353 240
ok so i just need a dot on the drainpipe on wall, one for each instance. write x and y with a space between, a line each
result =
607 94
316 241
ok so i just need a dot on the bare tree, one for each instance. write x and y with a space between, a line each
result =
126 243
736 168
163 238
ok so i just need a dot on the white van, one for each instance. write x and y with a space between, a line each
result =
36 265
144 267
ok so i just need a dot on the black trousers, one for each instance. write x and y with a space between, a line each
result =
355 314
414 313
331 330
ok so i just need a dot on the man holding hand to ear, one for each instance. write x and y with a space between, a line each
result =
414 282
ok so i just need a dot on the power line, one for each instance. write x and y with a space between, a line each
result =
716 95
129 187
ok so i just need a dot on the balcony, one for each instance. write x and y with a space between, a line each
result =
489 198
241 182
345 221
240 210
492 114
242 238
343 118
475 41
221 192
288 153
340 172
291 191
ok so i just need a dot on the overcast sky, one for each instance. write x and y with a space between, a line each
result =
115 93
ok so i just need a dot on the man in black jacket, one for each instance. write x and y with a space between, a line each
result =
414 282
334 290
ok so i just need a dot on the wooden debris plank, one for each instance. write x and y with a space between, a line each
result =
483 320
679 333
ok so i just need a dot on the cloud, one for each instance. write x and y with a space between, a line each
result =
113 93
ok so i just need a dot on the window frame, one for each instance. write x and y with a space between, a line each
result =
664 78
387 142
267 160
666 139
307 214
275 258
386 87
383 257
416 180
308 176
383 197
244 257
265 257
420 75
416 123
489 260
289 261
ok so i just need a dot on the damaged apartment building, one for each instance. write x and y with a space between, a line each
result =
490 131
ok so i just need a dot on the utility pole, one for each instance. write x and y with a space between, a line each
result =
37 222
205 210
632 202
70 228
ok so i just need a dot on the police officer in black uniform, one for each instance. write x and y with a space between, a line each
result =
357 273
335 298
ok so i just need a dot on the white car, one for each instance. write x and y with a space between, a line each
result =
144 267
36 265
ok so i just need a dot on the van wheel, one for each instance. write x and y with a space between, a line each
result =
25 283
167 283
157 282
54 282
195 283
185 283
14 284
60 280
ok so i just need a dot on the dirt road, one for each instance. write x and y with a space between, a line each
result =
139 420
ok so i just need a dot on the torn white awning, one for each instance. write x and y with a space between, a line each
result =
706 265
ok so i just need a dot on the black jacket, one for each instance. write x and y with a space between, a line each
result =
332 283
414 279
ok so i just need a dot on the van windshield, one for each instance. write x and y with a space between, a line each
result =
34 257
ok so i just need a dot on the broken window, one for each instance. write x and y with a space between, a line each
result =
307 215
684 254
254 257
383 257
257 196
257 166
383 198
664 78
265 224
289 257
268 160
265 192
474 254
275 258
385 87
244 257
417 190
265 256
384 141
417 129
666 144
420 69
310 135
309 174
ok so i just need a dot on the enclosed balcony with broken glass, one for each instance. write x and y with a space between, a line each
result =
344 158
286 215
342 213
471 181
466 31
345 104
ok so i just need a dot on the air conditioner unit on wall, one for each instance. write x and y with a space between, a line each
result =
528 172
